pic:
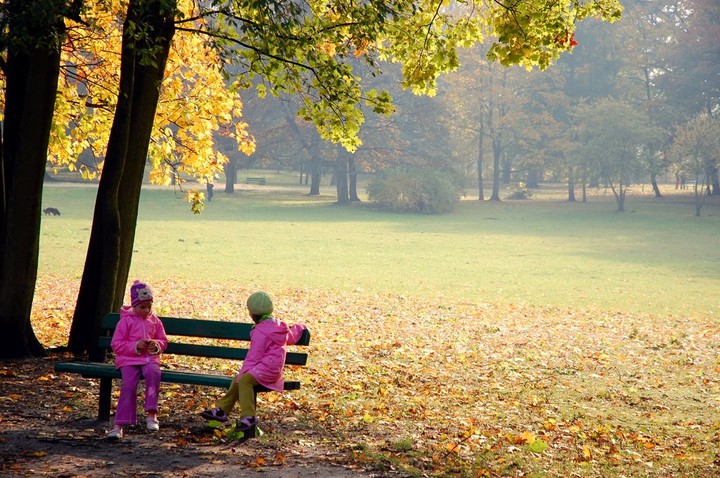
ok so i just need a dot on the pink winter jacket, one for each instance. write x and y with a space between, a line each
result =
129 330
266 357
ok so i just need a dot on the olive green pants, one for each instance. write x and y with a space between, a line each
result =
242 392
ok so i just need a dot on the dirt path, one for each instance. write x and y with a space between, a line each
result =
40 435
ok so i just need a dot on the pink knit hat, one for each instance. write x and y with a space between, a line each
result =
140 292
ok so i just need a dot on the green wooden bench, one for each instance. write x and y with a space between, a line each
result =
255 181
176 329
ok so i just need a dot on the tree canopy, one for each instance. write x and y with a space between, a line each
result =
310 49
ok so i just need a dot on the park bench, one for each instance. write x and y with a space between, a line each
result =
255 181
178 330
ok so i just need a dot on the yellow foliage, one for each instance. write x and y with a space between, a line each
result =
195 102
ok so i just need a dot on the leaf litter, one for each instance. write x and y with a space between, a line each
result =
408 386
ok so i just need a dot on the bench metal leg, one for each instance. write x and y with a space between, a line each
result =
105 395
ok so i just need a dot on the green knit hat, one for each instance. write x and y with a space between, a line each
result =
260 303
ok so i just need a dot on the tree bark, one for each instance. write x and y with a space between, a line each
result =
497 152
230 175
315 165
113 231
352 175
656 188
480 160
341 176
31 77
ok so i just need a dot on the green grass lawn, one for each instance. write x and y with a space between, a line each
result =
656 258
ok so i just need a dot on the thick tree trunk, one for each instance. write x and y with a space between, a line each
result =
571 184
31 76
315 183
148 79
341 176
230 175
352 175
113 231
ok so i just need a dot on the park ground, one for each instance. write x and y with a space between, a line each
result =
462 390
38 438
399 386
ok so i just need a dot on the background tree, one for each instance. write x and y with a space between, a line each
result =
612 136
696 152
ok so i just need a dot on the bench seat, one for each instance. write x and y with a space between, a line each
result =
260 181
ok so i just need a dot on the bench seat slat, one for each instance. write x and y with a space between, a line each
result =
213 351
100 370
212 329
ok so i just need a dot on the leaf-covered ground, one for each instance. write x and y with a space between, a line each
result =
424 387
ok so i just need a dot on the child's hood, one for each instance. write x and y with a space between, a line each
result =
128 311
276 330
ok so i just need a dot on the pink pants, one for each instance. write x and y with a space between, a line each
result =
126 412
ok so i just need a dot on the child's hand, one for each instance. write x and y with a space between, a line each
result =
153 347
140 345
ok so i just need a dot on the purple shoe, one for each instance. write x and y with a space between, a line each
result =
246 423
216 414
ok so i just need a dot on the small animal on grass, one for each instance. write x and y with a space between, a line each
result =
52 210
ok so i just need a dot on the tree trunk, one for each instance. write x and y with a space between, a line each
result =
113 231
230 175
533 178
31 76
315 184
481 151
497 150
656 188
352 175
571 184
506 171
714 181
315 166
341 176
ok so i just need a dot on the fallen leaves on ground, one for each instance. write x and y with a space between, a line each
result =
434 387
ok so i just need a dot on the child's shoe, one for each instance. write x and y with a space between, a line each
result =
152 424
215 414
115 434
248 426
246 423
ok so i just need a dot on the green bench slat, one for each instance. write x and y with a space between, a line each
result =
99 370
212 329
213 351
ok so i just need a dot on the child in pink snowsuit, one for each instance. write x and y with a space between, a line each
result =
138 341
263 364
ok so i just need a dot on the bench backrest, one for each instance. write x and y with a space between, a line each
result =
175 328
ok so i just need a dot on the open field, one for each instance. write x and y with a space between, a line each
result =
534 338
655 258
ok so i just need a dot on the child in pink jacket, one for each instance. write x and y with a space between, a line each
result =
263 364
138 341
